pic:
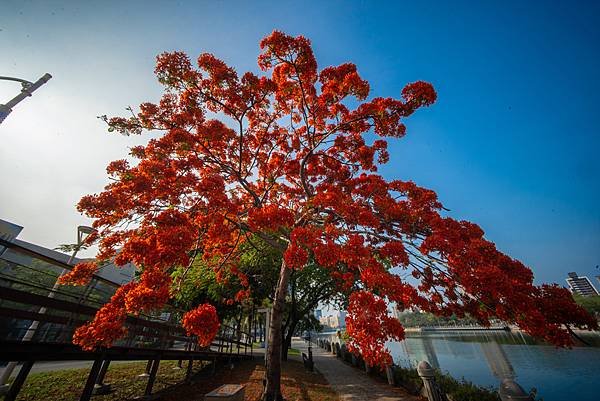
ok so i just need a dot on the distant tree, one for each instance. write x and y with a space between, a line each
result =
291 157
589 303
415 319
309 323
259 264
309 287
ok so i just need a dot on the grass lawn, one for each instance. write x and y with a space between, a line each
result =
66 385
293 352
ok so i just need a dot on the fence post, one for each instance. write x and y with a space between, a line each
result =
187 349
389 372
146 373
188 373
432 390
152 377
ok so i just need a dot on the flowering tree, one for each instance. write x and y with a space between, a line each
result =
291 157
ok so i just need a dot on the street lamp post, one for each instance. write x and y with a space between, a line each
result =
82 233
267 312
27 88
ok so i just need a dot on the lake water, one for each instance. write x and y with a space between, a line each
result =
485 358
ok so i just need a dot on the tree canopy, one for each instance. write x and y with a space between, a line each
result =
291 157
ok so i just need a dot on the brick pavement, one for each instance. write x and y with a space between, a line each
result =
351 383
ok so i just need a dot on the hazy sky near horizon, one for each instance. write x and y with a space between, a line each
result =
512 143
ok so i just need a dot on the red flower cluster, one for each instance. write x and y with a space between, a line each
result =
369 327
81 274
419 94
270 217
202 322
107 325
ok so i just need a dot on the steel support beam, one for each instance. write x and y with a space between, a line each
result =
152 378
91 380
15 387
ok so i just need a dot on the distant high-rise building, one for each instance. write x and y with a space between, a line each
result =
318 313
324 320
342 319
335 321
581 285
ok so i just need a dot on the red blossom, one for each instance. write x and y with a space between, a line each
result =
81 274
419 94
202 322
369 327
108 324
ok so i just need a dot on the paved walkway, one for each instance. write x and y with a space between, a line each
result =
350 383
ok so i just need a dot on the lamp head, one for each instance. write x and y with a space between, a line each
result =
83 232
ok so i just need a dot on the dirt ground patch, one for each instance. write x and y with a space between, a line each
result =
66 385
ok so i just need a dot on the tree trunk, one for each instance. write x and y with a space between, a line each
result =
272 390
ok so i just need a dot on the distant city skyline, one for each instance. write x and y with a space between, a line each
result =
512 143
334 320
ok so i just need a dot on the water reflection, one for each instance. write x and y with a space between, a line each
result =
504 360
497 360
422 351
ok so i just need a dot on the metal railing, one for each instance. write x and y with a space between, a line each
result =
26 280
28 294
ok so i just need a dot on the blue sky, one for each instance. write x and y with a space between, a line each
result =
512 142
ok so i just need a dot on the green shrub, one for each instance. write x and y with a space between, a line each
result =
458 390
408 379
463 390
